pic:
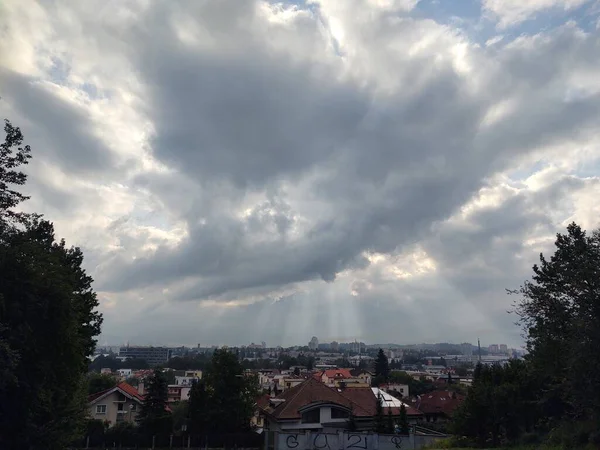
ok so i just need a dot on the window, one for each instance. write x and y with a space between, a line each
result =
313 416
100 409
120 407
339 413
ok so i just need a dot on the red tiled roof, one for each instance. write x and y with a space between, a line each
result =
410 411
124 387
263 401
438 402
130 390
361 400
309 392
338 373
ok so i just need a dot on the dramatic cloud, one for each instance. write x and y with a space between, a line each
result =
240 171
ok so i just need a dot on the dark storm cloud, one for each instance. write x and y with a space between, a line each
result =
386 168
63 132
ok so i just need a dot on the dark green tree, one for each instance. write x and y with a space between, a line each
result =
48 320
100 382
223 401
500 405
180 414
232 394
560 312
198 408
12 155
379 426
389 426
153 417
403 420
382 368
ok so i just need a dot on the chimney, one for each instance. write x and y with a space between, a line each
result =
141 388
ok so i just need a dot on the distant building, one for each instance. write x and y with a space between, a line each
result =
152 355
493 348
314 343
503 348
466 349
335 346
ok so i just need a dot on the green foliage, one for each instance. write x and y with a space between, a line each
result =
123 434
48 321
555 394
382 368
389 426
500 405
12 155
223 401
560 311
379 425
153 417
100 382
180 413
415 387
198 362
404 429
112 363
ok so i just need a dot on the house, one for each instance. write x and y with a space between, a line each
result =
115 405
185 381
363 374
314 406
197 374
438 406
398 389
125 373
178 392
329 376
291 382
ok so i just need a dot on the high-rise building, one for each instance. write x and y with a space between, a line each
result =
152 355
466 349
493 348
335 346
503 348
314 343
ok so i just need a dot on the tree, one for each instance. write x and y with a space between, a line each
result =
154 417
389 426
500 405
180 415
198 408
379 425
403 420
382 368
48 320
223 401
560 313
170 376
100 382
12 155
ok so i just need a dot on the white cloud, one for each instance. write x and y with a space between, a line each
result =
512 12
304 168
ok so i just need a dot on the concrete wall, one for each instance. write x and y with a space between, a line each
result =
344 440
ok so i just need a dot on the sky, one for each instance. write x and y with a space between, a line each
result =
244 171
